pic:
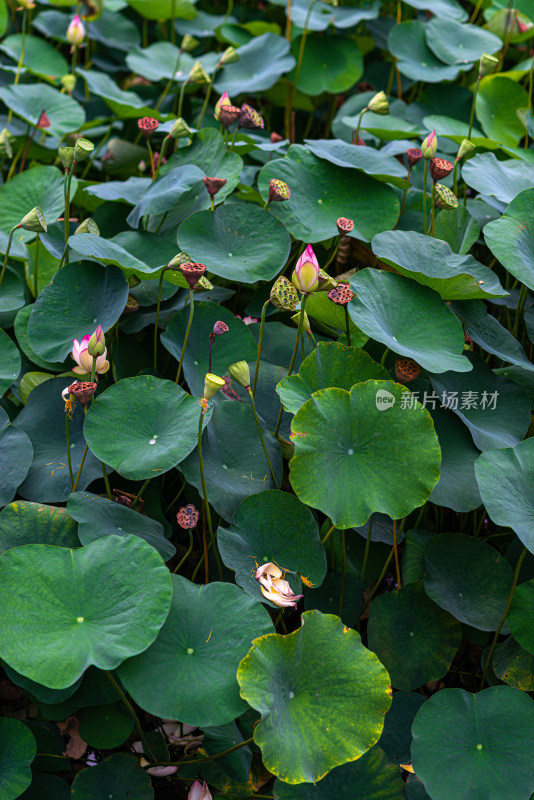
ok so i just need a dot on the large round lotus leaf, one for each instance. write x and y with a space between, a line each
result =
496 410
444 9
454 43
368 439
511 238
45 785
457 131
261 63
321 192
475 746
372 776
89 245
9 362
272 526
385 307
17 751
119 776
71 608
42 186
310 723
236 345
514 665
380 165
189 673
41 693
105 726
234 462
156 62
320 308
407 42
457 487
501 179
468 578
34 523
487 331
330 364
208 151
160 430
327 69
396 739
80 297
125 105
12 297
16 453
166 193
227 242
28 100
505 478
40 58
413 637
496 91
520 616
325 597
432 263
321 15
21 332
43 420
97 517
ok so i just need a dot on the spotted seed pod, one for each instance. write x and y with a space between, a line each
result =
284 295
341 294
250 118
147 125
326 282
204 284
344 225
229 114
187 517
407 370
278 190
413 155
440 168
192 272
219 328
83 391
444 197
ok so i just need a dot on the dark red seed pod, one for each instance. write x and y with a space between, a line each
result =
187 517
219 328
229 114
413 155
440 168
83 391
192 272
341 294
407 370
214 185
344 225
147 125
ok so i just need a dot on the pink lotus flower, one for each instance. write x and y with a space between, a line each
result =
76 31
274 587
84 361
223 100
199 791
306 273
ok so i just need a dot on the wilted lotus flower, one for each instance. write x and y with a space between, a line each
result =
80 354
430 145
76 31
274 587
199 791
305 276
224 100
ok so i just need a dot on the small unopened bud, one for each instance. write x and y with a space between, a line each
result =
212 384
192 272
465 148
180 130
88 226
187 517
379 104
6 151
229 56
413 156
344 225
250 118
430 145
68 82
213 185
240 373
66 156
306 327
188 43
97 343
284 295
487 64
147 125
44 120
278 190
220 328
34 221
76 31
440 168
229 114
341 294
275 138
199 791
407 370
444 197
198 75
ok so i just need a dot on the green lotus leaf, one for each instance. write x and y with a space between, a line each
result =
468 578
457 487
12 297
21 332
40 58
165 193
444 9
520 616
272 526
118 775
330 364
288 679
97 517
458 750
514 665
160 431
432 263
408 43
107 252
40 186
46 785
457 131
16 454
454 43
501 179
9 362
23 523
396 739
348 439
373 162
125 105
164 9
16 754
227 242
27 100
504 478
327 69
261 63
157 62
71 608
496 91
413 637
105 726
325 597
189 673
322 15
129 191
385 307
321 192
80 297
511 238
320 308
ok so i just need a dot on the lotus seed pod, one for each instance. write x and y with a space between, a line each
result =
444 197
180 129
213 185
224 100
413 156
204 284
465 148
341 294
132 305
192 272
88 226
198 75
83 391
147 125
278 190
188 43
229 114
344 225
220 328
250 118
178 260
487 64
240 373
68 82
187 517
284 295
379 104
82 149
66 156
6 151
326 282
34 221
229 56
407 370
212 384
440 168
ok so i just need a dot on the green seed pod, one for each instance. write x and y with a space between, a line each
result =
284 295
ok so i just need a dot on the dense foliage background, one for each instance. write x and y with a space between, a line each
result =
266 531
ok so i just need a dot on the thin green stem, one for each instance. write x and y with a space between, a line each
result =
106 481
72 170
384 356
181 98
175 499
433 212
455 177
82 462
205 495
472 115
253 406
294 83
378 582
260 342
293 357
186 337
520 560
36 267
425 177
8 248
206 100
367 545
523 294
161 155
140 492
173 19
357 131
328 534
22 53
343 572
403 203
67 437
189 551
156 324
333 254
347 323
131 711
396 553
215 757
312 337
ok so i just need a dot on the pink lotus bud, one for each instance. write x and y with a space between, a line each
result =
199 791
275 138
305 276
430 145
223 100
76 31
97 343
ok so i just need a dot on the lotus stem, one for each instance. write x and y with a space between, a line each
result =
67 437
433 212
206 99
425 177
189 551
106 480
8 248
472 115
205 495
328 534
186 337
343 572
173 19
293 357
396 553
82 462
131 711
140 492
253 406
367 545
347 323
36 268
294 83
156 324
181 98
523 294
21 58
